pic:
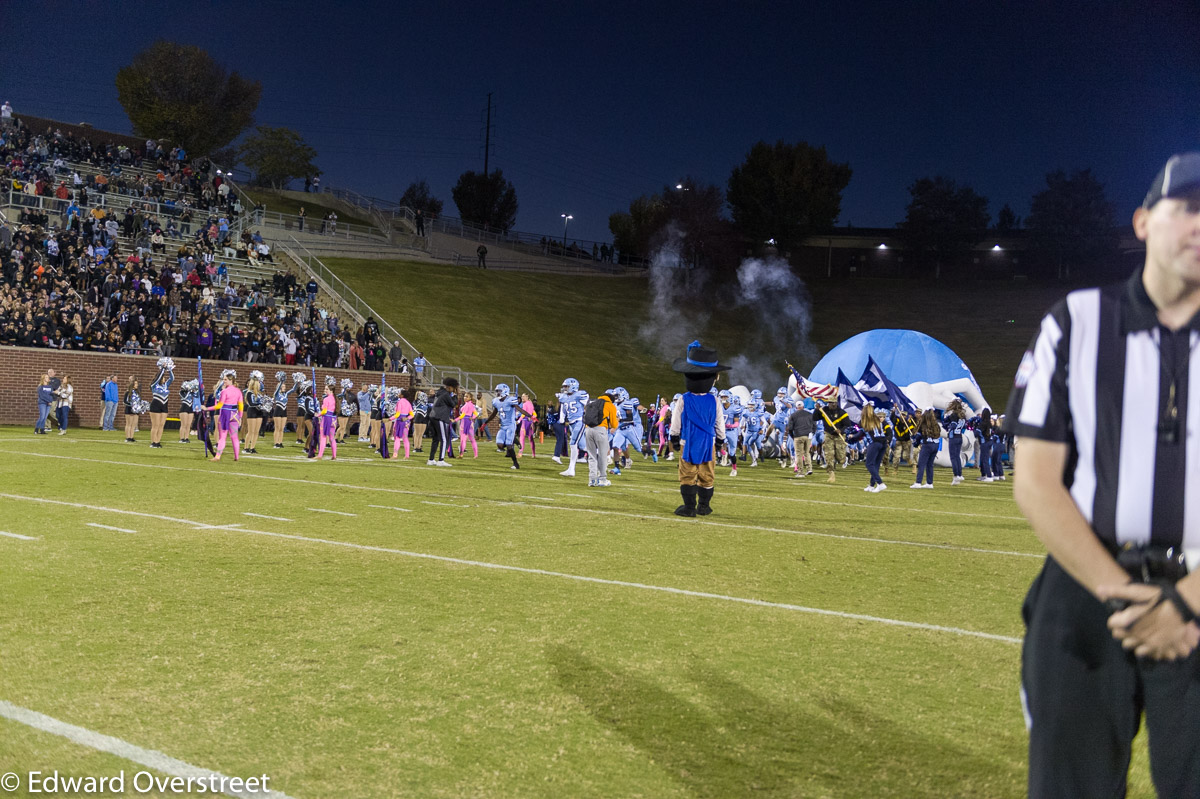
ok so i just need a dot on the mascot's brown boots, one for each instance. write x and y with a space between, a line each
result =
703 509
688 508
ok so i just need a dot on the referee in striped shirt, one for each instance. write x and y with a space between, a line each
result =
1106 404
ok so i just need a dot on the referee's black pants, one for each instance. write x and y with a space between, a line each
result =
1084 697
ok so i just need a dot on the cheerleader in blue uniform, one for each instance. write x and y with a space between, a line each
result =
279 403
160 393
255 410
955 422
189 404
926 438
135 406
347 407
305 410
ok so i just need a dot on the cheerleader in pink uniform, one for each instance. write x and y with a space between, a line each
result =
229 420
401 420
327 418
528 425
467 414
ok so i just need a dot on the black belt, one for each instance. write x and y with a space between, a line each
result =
1149 563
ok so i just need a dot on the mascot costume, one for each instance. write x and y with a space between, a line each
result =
697 423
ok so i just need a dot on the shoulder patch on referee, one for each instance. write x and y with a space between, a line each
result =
1025 370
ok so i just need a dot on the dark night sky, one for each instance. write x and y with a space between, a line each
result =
599 102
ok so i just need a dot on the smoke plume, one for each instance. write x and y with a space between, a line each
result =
781 308
676 315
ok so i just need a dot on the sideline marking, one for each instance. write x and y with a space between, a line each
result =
264 516
335 512
577 577
15 535
391 507
149 758
106 527
563 508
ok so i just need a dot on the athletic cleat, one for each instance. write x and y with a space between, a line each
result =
916 485
567 473
557 460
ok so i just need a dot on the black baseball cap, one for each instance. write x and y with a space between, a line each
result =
1179 177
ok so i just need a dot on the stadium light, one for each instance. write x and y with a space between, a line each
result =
997 248
881 247
566 220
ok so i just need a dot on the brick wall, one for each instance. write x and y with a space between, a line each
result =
22 369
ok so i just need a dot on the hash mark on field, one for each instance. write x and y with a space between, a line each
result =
106 527
444 504
15 535
542 499
565 494
264 516
391 507
335 512
123 749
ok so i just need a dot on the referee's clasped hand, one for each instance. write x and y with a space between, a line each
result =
1149 627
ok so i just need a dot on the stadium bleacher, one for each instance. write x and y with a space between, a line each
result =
123 249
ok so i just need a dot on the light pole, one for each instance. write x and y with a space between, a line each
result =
566 218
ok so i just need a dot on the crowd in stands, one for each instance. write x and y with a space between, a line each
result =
81 274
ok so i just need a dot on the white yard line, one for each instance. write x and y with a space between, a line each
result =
562 575
334 512
563 508
444 504
15 535
264 516
391 507
149 758
107 527
646 587
540 499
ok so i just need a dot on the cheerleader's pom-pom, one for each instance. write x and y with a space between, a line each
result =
347 382
330 380
256 375
297 377
280 376
166 363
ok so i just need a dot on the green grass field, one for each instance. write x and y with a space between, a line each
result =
474 631
546 327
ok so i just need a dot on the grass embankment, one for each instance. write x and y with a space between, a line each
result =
282 204
546 327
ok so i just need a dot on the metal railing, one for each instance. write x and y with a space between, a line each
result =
361 311
109 202
317 226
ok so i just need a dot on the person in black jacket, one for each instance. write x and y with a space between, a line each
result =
800 428
441 411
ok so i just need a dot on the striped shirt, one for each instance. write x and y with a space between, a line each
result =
1105 377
